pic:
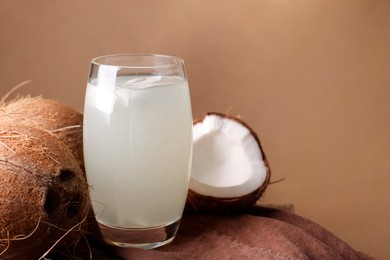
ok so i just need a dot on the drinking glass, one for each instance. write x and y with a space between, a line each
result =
137 136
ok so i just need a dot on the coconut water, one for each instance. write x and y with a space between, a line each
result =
137 149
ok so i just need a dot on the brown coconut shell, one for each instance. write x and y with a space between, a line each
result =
43 192
202 203
62 121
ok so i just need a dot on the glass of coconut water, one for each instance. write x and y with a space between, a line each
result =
137 138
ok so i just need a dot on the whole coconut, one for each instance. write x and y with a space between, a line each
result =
43 192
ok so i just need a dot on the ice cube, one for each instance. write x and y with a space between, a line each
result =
142 82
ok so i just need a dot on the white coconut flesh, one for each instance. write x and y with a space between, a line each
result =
227 159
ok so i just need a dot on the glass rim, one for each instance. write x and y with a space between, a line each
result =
177 61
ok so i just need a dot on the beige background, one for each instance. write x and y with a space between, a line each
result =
311 77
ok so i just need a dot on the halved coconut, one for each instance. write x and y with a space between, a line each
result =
229 168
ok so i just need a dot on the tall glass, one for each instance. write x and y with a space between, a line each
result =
138 147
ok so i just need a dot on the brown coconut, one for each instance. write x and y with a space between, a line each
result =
227 203
43 192
62 121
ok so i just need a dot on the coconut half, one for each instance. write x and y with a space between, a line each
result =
229 168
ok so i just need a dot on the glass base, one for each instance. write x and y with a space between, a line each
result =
145 238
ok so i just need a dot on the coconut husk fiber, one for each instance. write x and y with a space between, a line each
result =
260 233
